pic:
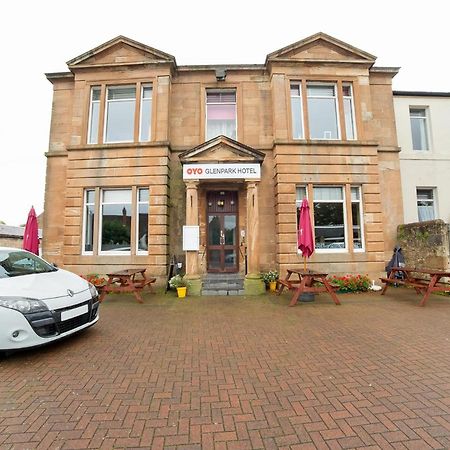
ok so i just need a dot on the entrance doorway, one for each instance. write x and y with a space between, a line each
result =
222 231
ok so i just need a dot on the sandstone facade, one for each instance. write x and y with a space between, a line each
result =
361 160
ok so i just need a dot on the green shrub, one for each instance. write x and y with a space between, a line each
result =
351 283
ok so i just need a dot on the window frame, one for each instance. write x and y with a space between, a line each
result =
352 100
336 105
138 203
100 222
433 201
91 104
425 121
105 125
83 235
215 91
148 100
361 218
299 84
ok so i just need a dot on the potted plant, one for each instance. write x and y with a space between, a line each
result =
180 284
270 278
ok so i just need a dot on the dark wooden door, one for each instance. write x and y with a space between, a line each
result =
222 231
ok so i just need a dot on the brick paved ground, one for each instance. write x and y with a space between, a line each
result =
238 373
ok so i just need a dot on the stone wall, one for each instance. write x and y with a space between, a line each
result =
11 242
425 244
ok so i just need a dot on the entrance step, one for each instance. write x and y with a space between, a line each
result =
223 284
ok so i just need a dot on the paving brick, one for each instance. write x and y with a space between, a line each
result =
238 373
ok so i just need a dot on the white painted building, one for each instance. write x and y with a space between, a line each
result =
423 129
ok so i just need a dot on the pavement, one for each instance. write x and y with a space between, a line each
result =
238 373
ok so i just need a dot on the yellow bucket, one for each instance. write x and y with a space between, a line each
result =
181 291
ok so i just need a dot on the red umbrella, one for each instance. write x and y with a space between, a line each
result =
30 235
305 239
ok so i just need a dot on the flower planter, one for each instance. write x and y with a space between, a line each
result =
272 286
181 291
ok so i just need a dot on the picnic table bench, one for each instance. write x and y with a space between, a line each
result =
414 277
128 281
306 281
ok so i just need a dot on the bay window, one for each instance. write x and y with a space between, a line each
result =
357 218
332 232
322 111
220 113
117 210
118 110
94 114
329 217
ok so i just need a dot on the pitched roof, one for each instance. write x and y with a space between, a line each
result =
157 54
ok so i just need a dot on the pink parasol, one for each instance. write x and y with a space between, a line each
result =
305 238
30 235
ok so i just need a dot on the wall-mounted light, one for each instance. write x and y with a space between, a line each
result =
220 203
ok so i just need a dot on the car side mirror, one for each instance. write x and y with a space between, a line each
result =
55 265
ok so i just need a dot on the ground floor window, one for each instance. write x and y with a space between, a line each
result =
425 204
333 225
117 210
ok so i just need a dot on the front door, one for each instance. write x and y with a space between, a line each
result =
222 235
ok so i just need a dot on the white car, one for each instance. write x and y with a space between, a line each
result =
40 303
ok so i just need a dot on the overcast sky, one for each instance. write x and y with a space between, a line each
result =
40 36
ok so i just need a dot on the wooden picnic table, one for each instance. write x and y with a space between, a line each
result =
127 280
306 281
414 277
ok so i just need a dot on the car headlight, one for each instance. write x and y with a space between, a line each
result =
23 304
93 290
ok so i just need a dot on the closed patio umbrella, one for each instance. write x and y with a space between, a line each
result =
30 235
305 237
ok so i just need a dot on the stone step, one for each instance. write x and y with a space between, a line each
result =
213 292
209 285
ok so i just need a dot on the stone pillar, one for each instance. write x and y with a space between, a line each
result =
192 272
253 284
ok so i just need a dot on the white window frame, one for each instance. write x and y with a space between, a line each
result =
336 103
100 221
216 91
344 212
433 201
302 115
138 251
91 104
361 219
83 238
148 100
352 101
426 127
107 110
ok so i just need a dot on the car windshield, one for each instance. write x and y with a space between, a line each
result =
14 263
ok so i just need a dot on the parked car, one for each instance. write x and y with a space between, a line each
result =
40 303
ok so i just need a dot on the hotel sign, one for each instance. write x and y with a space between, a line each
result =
221 171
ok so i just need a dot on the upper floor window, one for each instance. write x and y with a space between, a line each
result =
425 204
419 129
221 113
297 111
94 114
322 111
349 111
146 113
120 110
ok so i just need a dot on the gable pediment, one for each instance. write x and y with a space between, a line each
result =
222 149
120 51
321 48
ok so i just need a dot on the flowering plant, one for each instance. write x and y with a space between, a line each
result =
271 275
95 279
178 281
351 283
